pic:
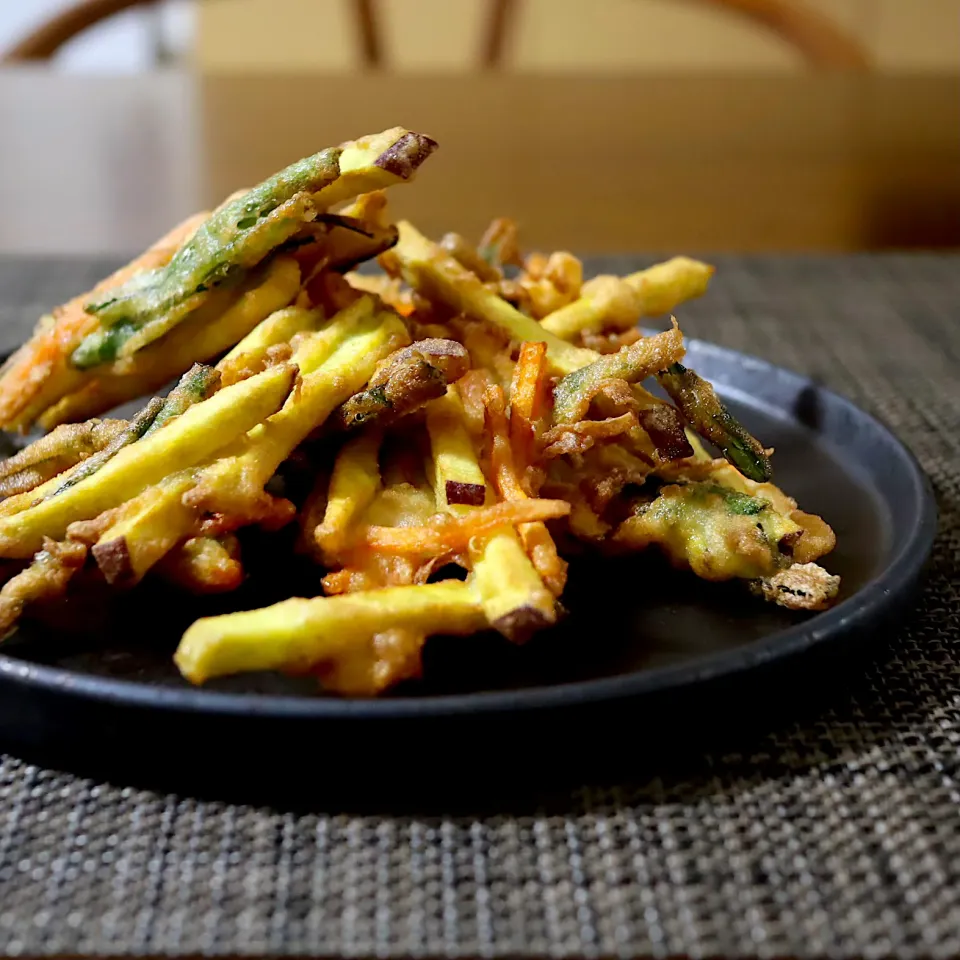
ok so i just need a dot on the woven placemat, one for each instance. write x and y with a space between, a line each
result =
839 836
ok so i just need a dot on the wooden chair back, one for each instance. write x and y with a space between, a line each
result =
821 42
45 40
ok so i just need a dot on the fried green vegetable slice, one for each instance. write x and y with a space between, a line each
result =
136 429
701 407
226 316
719 533
196 385
572 395
240 234
405 381
55 452
236 237
188 440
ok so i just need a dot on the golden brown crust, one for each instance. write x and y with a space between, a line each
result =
46 578
803 586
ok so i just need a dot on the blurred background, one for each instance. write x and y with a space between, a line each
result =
602 125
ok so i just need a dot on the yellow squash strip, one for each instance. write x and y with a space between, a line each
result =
235 483
666 285
353 487
515 600
132 545
323 388
192 437
334 363
604 302
458 481
298 634
279 327
615 303
374 163
437 275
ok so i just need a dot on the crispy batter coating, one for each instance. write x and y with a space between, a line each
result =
445 436
59 450
45 578
404 382
803 586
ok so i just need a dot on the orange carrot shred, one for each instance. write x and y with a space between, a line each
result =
528 402
457 534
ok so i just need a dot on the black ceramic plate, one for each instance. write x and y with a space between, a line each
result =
638 633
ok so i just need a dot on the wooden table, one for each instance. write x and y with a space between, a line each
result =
595 164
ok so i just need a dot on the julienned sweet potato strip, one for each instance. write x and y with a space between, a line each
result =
370 207
323 387
666 285
353 486
617 303
270 343
297 635
456 534
337 360
376 162
605 303
180 519
195 385
149 528
189 439
458 482
516 602
39 373
437 275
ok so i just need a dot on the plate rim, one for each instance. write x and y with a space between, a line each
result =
881 594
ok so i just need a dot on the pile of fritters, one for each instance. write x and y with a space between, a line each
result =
466 417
